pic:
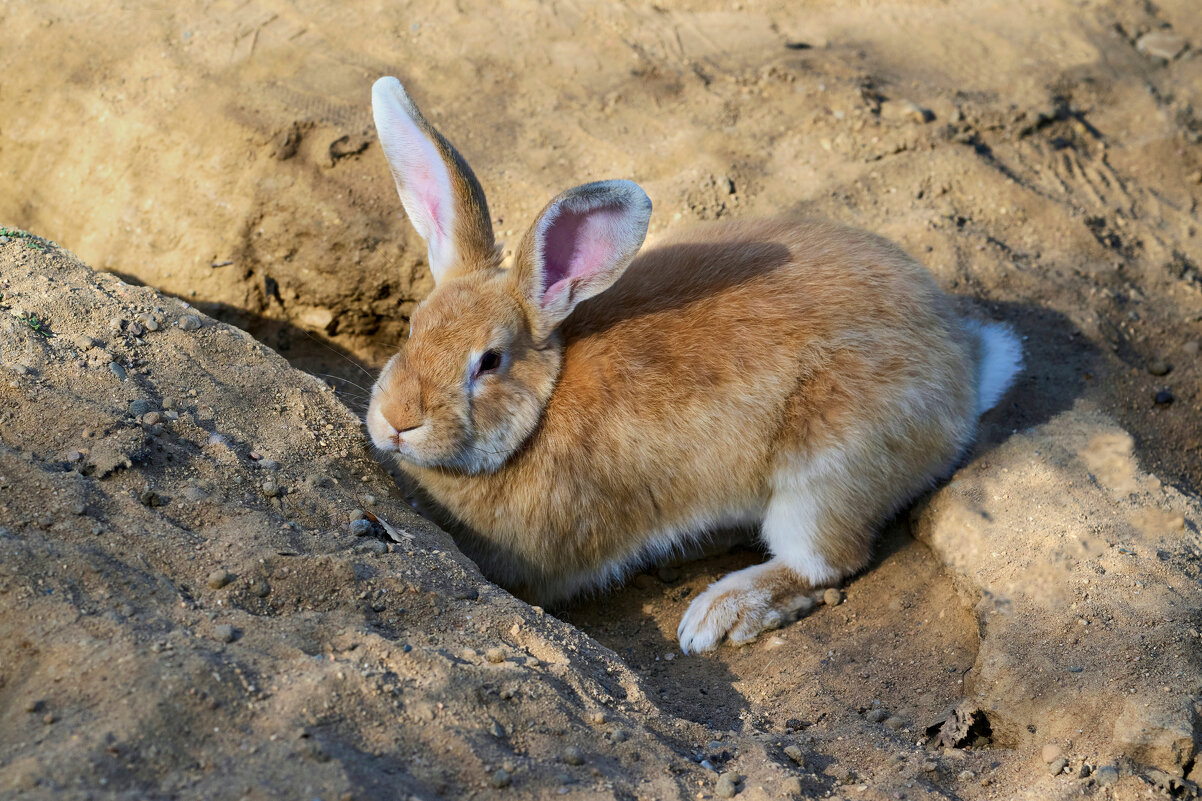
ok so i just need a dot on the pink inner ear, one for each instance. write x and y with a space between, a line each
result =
577 246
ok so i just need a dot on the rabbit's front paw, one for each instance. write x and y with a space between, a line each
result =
739 606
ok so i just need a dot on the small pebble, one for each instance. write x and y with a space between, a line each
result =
1159 367
49 718
794 753
270 489
189 322
84 342
1164 397
219 578
832 597
268 464
930 766
150 323
194 493
152 418
361 527
224 632
371 545
117 370
726 786
34 705
1050 753
966 775
877 715
1057 766
791 787
1161 44
597 718
572 755
140 407
894 723
1107 774
501 779
619 735
262 589
116 323
495 655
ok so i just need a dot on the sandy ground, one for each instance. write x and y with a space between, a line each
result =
1042 158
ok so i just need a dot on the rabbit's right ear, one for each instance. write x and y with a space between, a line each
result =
578 247
440 193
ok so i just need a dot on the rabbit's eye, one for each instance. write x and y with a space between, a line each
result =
489 362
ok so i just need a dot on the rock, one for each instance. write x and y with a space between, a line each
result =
1161 44
726 787
261 588
596 718
49 718
224 632
1107 774
500 779
35 705
1160 733
895 723
1078 466
189 322
905 110
930 766
791 788
140 407
269 489
1057 766
619 735
572 755
876 715
152 418
1159 367
1164 397
219 578
362 527
794 753
495 655
832 597
1050 753
117 370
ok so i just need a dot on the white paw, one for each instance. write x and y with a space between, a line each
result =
727 609
739 606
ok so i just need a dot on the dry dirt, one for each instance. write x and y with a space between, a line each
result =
1042 158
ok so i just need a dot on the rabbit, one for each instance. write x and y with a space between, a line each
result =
588 410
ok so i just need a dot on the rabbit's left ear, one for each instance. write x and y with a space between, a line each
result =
440 193
578 247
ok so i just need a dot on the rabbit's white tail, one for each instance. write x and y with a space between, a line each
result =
1001 362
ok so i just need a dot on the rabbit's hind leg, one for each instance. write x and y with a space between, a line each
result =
818 531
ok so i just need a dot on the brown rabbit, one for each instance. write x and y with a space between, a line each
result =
586 411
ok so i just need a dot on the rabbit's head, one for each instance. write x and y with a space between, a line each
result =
483 355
